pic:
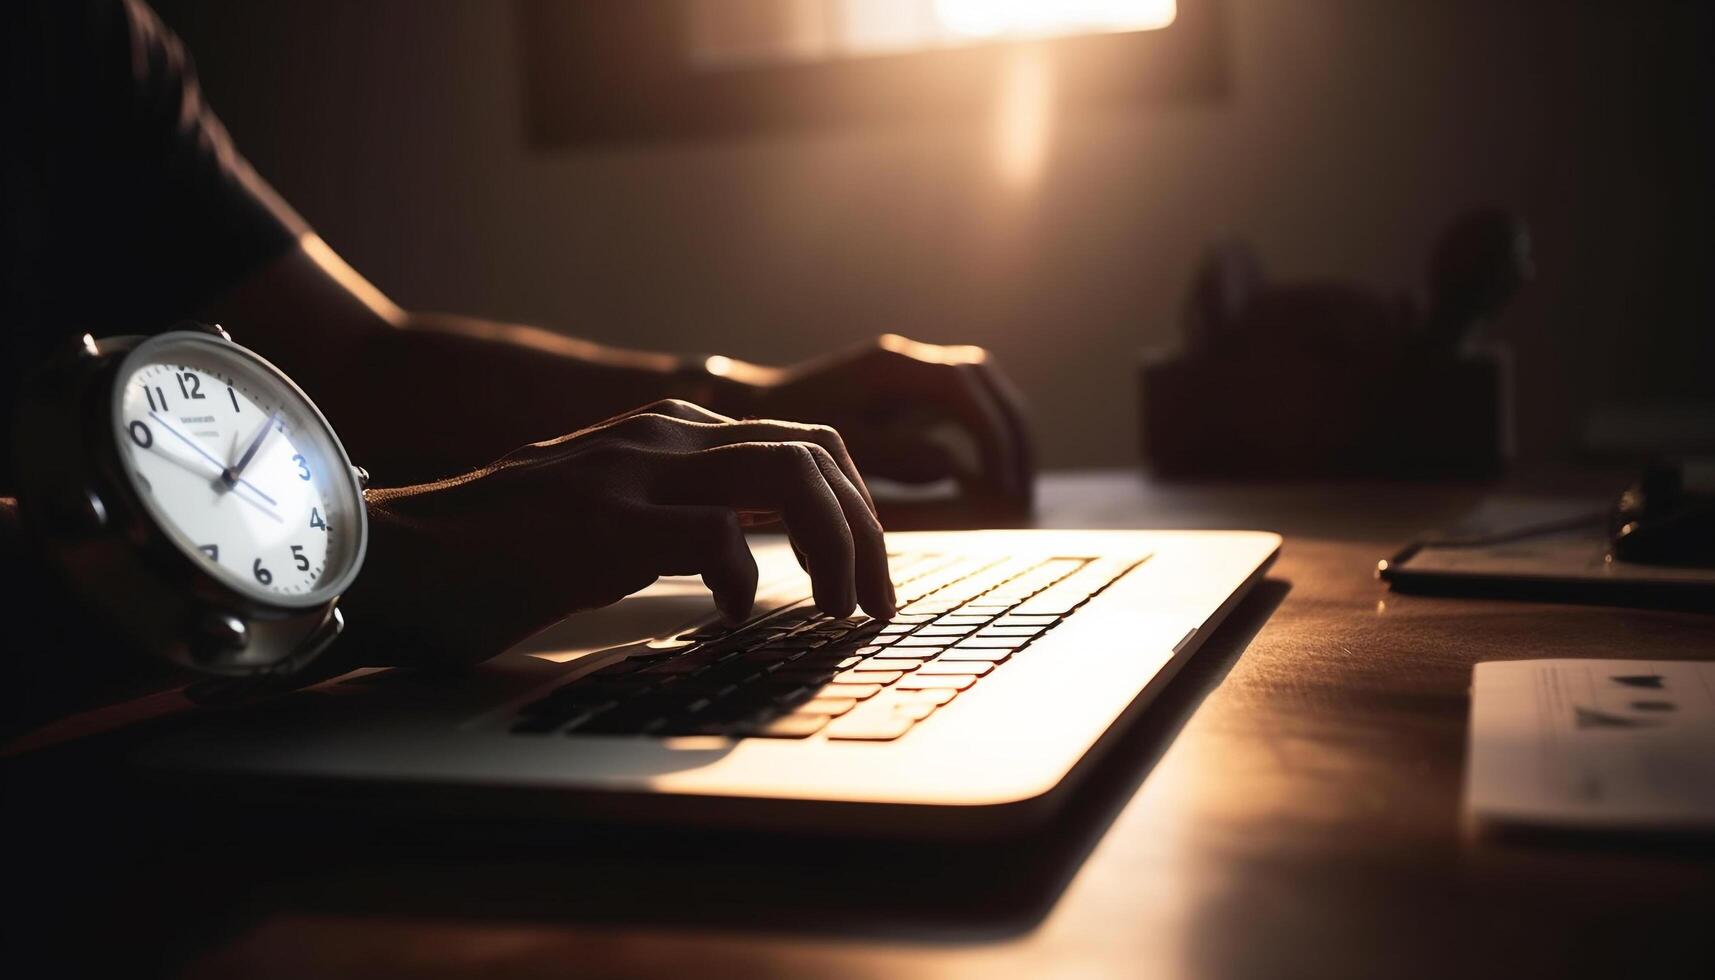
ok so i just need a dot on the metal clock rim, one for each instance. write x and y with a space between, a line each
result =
323 593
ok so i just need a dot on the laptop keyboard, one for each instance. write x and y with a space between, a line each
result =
798 672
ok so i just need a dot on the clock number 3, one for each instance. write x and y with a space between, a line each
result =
303 467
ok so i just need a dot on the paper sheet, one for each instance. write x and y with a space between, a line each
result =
1593 744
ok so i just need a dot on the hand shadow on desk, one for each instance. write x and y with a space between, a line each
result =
608 873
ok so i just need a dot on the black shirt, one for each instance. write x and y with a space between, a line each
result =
123 205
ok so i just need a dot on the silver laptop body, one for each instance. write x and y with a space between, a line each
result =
987 747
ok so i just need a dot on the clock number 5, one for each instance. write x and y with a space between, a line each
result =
299 559
303 467
262 574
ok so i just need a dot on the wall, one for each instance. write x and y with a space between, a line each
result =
1354 129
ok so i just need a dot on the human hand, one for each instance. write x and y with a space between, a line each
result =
461 569
889 397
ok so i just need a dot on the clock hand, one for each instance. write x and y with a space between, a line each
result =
187 440
186 465
231 474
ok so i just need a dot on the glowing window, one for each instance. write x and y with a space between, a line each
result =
754 33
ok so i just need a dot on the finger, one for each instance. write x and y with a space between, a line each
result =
707 541
675 424
964 398
783 477
825 437
680 409
873 582
1010 401
676 408
986 424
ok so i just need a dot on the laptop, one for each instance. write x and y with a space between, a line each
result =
1014 656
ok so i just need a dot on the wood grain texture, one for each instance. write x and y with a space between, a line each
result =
1290 808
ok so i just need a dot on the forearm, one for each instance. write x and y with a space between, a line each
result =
463 392
416 397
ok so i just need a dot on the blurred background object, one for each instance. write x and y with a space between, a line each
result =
1331 378
1048 199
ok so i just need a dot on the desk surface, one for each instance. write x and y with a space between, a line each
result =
1290 807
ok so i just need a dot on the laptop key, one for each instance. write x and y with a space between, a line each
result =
988 631
797 641
753 662
1051 605
993 643
939 630
955 667
916 711
910 642
620 721
832 661
796 696
936 696
856 691
678 666
869 726
1012 620
979 656
793 674
786 726
832 707
694 725
882 677
891 663
918 682
916 705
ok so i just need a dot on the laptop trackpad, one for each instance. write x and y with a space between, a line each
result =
670 606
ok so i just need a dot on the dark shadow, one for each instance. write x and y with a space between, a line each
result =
187 887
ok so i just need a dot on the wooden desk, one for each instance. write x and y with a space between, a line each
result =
1290 808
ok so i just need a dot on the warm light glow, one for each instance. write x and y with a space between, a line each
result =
1052 18
1025 112
746 33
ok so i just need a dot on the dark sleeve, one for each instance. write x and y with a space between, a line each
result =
123 208
130 208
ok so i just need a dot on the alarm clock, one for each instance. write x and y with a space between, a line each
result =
195 496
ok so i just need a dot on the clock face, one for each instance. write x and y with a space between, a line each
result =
239 469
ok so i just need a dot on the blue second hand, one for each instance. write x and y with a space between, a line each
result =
187 440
